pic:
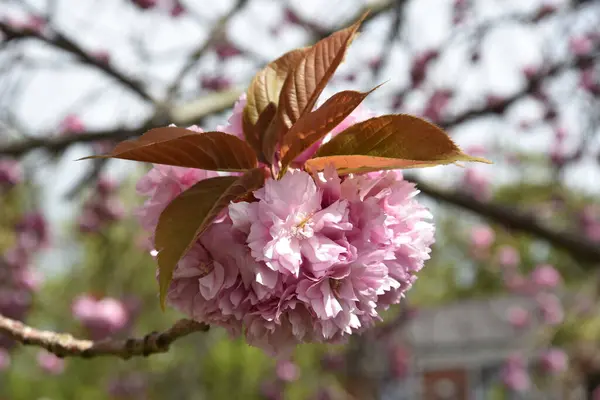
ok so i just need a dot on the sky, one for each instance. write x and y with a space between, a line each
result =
49 93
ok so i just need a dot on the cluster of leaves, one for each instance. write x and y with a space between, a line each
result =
280 122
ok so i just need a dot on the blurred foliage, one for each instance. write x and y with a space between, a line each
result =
113 262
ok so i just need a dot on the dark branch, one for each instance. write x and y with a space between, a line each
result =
536 81
579 247
63 344
182 115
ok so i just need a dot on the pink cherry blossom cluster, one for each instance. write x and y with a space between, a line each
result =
18 280
589 222
314 259
540 286
515 374
101 317
102 208
11 174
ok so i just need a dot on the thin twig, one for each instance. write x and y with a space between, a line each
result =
65 345
214 36
60 41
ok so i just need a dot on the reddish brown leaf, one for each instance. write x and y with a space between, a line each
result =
263 93
311 127
190 214
388 142
217 151
303 86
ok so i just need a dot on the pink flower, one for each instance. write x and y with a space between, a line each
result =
482 237
235 125
545 10
310 261
102 56
551 308
419 67
4 359
554 361
560 133
515 282
177 9
72 124
588 80
290 225
28 279
518 317
592 231
400 358
514 374
101 317
546 277
32 231
145 4
477 184
50 363
162 184
11 173
437 104
106 186
130 386
580 45
226 50
35 24
287 371
508 257
531 71
215 83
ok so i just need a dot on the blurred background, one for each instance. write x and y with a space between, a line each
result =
507 308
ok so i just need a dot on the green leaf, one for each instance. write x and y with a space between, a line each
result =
388 142
217 151
190 214
303 86
263 97
312 127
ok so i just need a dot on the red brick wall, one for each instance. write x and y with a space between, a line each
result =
433 382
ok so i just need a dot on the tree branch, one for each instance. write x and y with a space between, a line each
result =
62 42
213 37
184 115
579 247
501 106
63 344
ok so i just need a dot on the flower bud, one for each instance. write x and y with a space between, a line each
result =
287 371
554 361
546 277
508 257
11 173
518 317
4 359
50 363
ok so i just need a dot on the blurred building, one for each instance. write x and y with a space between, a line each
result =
457 351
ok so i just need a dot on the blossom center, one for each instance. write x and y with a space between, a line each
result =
302 229
335 284
205 268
